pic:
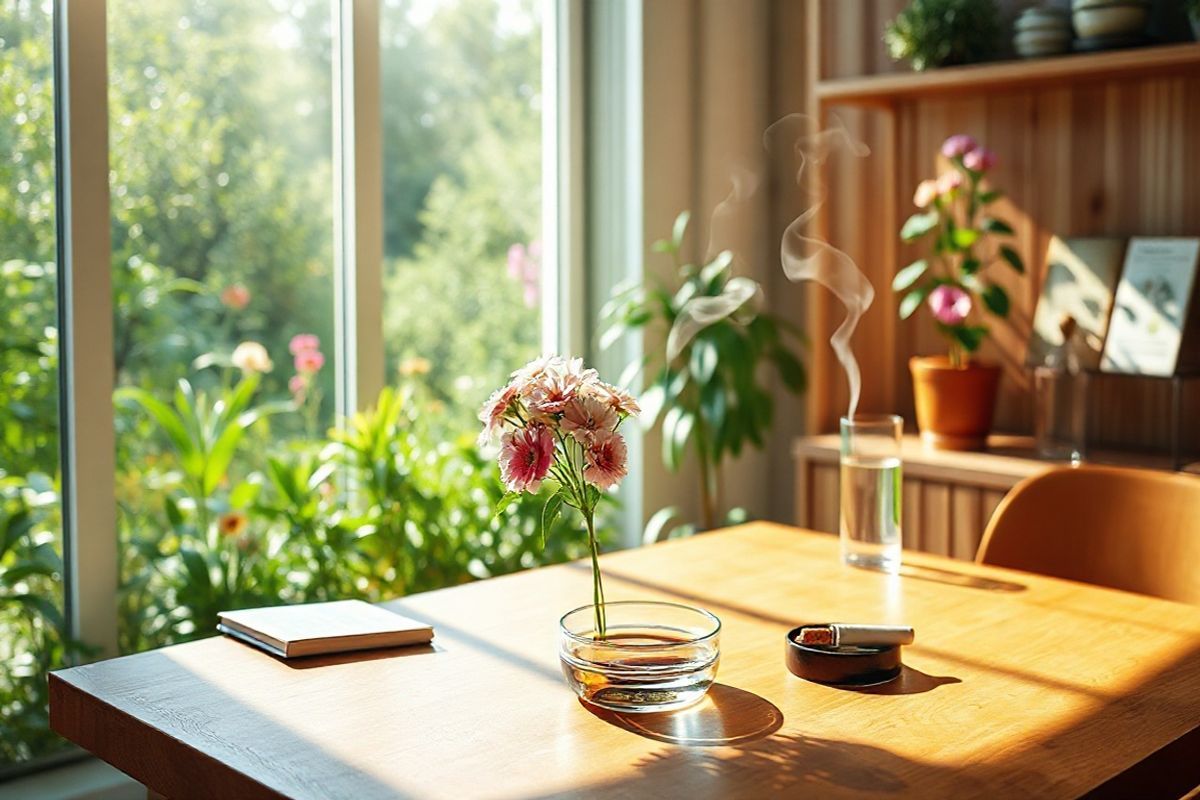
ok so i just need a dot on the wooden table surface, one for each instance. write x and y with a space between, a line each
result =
1017 685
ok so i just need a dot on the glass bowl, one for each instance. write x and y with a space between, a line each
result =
655 657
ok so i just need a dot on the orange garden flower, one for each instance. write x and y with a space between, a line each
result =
232 524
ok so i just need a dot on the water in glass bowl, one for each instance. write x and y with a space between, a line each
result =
663 663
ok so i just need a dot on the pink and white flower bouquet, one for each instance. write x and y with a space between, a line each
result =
556 420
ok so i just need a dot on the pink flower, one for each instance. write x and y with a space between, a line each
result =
526 456
516 261
950 305
549 383
604 460
926 193
297 384
309 362
236 296
494 411
302 343
585 417
949 181
979 159
958 145
619 400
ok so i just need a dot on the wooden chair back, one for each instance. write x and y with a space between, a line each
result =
1130 529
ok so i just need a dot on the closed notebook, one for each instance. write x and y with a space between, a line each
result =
317 628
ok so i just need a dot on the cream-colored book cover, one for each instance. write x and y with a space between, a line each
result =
316 628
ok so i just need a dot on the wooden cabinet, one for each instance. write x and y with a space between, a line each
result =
948 497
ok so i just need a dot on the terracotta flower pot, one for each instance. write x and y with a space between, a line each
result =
954 404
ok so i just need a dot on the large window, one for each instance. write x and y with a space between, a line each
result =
33 633
239 209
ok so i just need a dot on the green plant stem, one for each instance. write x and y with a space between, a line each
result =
597 584
707 475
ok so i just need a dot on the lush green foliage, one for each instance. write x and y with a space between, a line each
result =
229 491
943 33
712 397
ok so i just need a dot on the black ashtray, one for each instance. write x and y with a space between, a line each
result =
848 665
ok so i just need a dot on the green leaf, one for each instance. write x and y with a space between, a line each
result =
504 502
703 361
677 429
965 237
918 225
993 225
912 301
909 275
680 228
197 569
657 524
713 404
246 493
791 371
166 418
1014 260
970 266
969 336
550 513
664 246
989 196
996 300
714 270
174 515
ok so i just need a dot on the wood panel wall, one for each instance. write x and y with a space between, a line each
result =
1115 157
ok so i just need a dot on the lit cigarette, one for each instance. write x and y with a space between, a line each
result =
839 635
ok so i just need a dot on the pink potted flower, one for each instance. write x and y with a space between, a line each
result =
956 394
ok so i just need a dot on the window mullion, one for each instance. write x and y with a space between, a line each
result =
87 438
358 198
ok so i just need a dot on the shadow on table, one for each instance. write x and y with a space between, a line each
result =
909 681
726 716
357 656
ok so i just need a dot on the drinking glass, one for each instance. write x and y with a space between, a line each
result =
871 491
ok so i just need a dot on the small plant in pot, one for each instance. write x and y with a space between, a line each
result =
956 394
944 33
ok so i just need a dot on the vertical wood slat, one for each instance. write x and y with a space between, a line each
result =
935 518
910 515
824 510
965 530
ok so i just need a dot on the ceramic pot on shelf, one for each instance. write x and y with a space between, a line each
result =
954 404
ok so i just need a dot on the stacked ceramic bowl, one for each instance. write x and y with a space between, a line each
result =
1042 32
1107 24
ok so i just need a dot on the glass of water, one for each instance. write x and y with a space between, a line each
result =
871 491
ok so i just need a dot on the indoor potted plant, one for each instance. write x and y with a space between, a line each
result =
956 393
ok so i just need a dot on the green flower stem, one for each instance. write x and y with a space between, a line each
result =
597 586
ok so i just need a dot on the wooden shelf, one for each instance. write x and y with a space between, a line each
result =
891 88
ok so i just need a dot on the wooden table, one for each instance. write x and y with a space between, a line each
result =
1017 685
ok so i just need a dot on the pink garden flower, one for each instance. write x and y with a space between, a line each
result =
309 362
236 297
495 410
605 460
619 400
950 305
302 343
526 456
297 384
926 193
979 159
958 145
585 417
